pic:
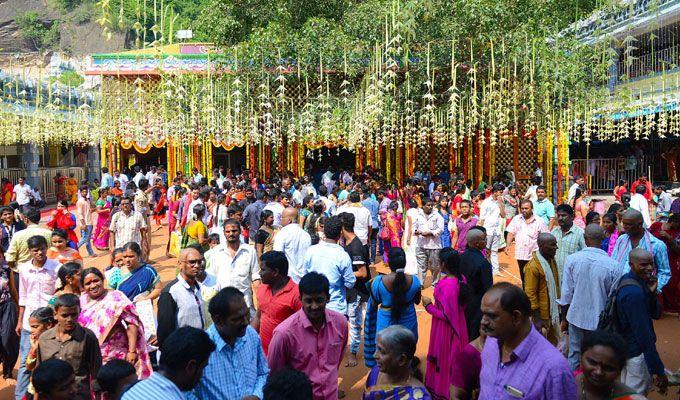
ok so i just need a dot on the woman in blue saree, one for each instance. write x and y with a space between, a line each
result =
137 279
391 302
396 375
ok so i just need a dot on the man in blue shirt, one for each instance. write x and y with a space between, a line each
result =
636 306
374 207
331 260
544 208
184 355
237 369
637 236
107 179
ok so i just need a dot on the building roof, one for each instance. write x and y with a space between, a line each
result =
625 17
179 57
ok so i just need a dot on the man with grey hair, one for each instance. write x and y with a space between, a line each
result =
637 236
542 286
589 277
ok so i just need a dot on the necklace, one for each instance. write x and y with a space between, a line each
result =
583 391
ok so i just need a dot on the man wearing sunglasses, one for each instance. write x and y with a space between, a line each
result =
180 302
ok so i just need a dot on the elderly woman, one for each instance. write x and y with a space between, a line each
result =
396 375
114 320
603 357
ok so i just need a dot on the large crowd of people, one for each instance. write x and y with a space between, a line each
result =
279 281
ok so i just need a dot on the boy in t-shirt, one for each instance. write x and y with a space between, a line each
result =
71 342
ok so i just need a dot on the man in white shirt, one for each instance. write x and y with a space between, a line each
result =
330 205
307 188
294 241
22 192
491 216
639 202
275 206
235 264
588 279
428 229
138 176
530 194
151 176
122 178
578 183
362 217
287 186
197 175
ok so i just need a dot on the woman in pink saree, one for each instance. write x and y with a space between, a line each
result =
103 211
391 231
449 335
114 320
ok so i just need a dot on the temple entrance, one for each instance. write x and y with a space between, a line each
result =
337 159
154 157
234 159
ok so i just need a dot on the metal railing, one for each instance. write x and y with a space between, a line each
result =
657 61
46 176
604 173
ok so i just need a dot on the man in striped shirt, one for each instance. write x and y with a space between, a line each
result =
184 355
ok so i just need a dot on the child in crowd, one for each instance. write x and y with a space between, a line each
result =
115 377
461 225
54 380
113 272
60 250
40 320
71 342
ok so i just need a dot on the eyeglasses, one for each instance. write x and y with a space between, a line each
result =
193 262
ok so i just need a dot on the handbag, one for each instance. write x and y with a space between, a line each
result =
175 243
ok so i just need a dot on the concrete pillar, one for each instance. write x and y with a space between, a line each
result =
94 169
30 160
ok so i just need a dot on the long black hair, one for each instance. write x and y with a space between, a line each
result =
450 263
397 263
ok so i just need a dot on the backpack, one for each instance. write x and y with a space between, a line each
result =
609 317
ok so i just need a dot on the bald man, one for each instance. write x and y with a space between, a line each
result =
543 288
589 277
180 303
294 242
636 307
637 236
479 276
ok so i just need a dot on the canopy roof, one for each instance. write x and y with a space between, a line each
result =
179 57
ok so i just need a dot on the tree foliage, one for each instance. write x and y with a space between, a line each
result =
42 34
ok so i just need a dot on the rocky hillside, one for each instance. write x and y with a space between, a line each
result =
75 36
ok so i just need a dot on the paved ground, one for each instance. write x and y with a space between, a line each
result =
352 379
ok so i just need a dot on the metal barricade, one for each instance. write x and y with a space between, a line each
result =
604 173
46 176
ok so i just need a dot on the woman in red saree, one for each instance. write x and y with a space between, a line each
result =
59 186
391 231
7 189
669 233
160 198
448 335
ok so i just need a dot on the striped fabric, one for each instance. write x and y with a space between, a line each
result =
155 387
